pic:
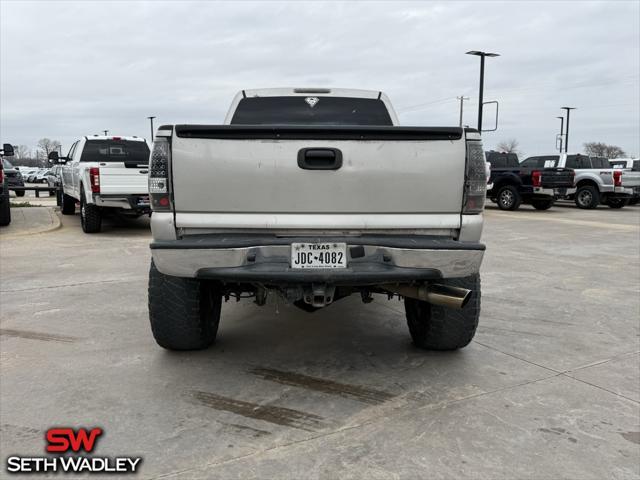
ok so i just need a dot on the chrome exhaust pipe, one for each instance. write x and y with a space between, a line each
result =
445 295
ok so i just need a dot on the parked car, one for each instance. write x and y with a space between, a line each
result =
314 195
5 204
515 183
29 174
596 181
13 177
105 173
53 177
41 176
632 165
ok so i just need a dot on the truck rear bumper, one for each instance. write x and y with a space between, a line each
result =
139 203
371 259
625 192
556 192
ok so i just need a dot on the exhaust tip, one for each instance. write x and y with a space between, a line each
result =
466 299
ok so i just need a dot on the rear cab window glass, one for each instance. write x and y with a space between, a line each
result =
115 151
502 160
311 110
578 161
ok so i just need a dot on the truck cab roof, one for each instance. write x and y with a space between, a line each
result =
115 137
314 95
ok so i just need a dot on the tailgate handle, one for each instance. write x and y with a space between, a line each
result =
320 159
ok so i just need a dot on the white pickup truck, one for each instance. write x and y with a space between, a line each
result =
105 173
313 195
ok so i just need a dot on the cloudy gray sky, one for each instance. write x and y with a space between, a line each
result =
75 68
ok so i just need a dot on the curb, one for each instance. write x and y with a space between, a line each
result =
55 225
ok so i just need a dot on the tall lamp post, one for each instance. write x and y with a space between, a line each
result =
566 136
151 120
481 94
561 131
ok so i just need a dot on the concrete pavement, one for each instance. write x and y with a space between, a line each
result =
548 389
29 221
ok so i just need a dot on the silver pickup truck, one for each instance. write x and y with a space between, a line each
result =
595 180
314 195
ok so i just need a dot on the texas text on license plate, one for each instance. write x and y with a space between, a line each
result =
318 255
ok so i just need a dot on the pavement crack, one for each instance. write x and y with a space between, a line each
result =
518 358
71 285
601 388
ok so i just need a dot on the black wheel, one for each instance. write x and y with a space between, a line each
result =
617 202
184 312
5 211
508 198
634 201
543 204
587 197
434 327
68 204
20 193
90 216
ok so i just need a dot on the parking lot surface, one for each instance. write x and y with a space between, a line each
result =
549 388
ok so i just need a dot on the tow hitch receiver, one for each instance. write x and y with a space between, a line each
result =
319 295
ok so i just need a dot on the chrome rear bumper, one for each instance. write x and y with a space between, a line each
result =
371 260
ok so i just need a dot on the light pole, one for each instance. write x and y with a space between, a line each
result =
462 99
566 136
151 120
105 132
481 94
561 131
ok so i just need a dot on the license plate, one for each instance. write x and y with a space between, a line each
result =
143 201
318 255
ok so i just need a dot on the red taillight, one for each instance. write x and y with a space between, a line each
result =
94 177
536 178
617 178
1 175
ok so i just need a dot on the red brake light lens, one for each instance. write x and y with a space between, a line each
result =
617 178
536 178
94 176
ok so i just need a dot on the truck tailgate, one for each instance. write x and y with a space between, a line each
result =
630 179
557 177
258 176
115 179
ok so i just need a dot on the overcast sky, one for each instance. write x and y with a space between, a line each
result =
75 68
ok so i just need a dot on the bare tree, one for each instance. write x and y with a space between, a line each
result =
509 146
46 146
22 152
600 149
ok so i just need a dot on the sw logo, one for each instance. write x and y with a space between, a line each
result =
69 441
65 439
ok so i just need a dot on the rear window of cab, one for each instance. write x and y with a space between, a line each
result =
311 110
115 151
